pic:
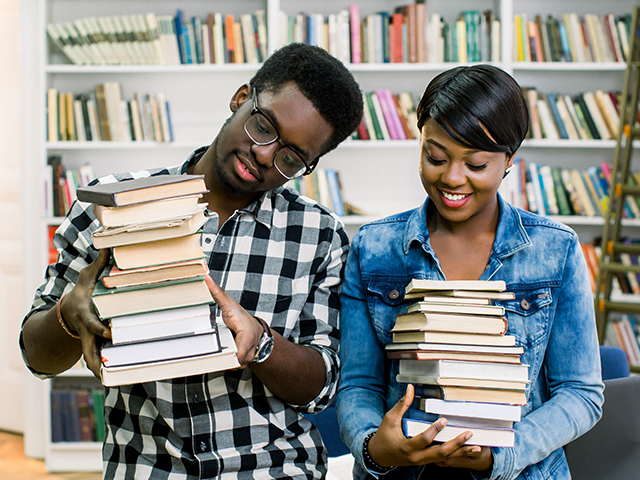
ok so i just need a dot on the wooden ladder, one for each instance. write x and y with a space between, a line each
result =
623 186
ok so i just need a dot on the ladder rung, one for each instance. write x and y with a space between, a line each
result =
631 132
628 190
619 267
624 307
617 247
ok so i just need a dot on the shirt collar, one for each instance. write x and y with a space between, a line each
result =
261 209
511 235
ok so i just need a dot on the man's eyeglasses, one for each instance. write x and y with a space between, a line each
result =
262 132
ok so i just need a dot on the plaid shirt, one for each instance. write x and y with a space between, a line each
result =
282 258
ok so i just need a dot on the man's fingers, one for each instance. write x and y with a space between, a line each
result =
218 294
101 261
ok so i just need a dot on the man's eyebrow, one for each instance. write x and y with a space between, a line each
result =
273 119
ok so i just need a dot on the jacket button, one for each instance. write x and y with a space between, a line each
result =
524 304
393 294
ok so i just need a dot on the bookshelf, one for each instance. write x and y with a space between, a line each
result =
379 177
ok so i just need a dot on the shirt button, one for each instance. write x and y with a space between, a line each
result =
196 398
207 240
524 304
393 294
203 446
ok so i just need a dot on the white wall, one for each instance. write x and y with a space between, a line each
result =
11 305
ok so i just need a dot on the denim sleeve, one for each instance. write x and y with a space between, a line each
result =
362 388
574 380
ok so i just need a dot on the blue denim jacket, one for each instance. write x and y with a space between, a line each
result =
552 317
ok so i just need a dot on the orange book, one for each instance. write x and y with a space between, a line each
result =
395 38
228 35
592 263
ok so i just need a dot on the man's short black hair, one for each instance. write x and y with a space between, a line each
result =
323 79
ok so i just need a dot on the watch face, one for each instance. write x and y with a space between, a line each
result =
265 347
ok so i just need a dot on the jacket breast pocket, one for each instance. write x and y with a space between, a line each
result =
385 300
528 315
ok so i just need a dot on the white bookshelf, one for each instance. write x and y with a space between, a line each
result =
379 177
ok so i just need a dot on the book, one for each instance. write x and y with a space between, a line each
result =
457 369
140 190
224 359
493 325
159 252
117 278
148 232
453 337
155 325
471 409
111 303
433 307
182 207
443 347
466 394
422 380
474 285
459 294
493 437
452 355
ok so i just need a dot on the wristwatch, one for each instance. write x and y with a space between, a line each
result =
265 345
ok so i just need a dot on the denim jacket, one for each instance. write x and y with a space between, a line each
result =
552 317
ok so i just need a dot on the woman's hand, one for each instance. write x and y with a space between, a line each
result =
389 446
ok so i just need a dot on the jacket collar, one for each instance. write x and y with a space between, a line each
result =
510 236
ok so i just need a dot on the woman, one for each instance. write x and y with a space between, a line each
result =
472 120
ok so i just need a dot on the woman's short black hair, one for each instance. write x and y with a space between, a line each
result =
323 79
465 99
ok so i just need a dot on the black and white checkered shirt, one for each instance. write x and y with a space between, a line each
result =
282 259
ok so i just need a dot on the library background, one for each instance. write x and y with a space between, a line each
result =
128 85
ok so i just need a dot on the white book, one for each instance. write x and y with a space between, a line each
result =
610 113
623 37
464 369
472 409
380 116
61 43
93 120
135 121
590 100
617 50
580 128
140 31
126 121
79 121
67 30
206 46
493 437
153 33
248 38
549 191
537 188
583 194
572 132
164 119
218 39
47 191
495 41
261 18
546 121
574 30
123 23
108 29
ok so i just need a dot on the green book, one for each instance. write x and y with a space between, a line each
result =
98 413
561 194
374 117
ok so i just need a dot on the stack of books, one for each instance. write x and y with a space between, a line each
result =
452 344
155 298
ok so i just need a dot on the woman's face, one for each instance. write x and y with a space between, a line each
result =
462 182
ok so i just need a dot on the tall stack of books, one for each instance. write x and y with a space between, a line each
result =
154 297
452 345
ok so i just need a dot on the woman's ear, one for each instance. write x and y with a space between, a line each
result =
242 95
509 166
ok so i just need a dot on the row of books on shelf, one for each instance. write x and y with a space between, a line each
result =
587 115
571 38
163 39
548 190
408 34
388 116
77 414
104 115
153 295
451 343
624 333
324 186
622 282
60 184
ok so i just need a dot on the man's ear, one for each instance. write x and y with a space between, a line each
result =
242 95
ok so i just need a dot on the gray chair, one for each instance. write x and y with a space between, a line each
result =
611 449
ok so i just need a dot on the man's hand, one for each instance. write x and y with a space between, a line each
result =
389 446
246 329
80 316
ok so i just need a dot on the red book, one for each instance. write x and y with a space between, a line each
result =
210 28
395 35
363 134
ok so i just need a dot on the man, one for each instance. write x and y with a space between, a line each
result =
275 262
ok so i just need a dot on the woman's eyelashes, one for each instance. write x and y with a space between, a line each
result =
475 168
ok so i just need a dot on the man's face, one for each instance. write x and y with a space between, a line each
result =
243 168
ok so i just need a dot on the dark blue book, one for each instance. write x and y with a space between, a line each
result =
180 35
551 99
57 434
196 24
386 48
166 104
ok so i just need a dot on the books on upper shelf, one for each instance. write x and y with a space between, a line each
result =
571 38
214 38
406 34
104 115
60 185
387 116
555 190
189 364
582 116
623 333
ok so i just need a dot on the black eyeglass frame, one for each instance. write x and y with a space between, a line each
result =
257 110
